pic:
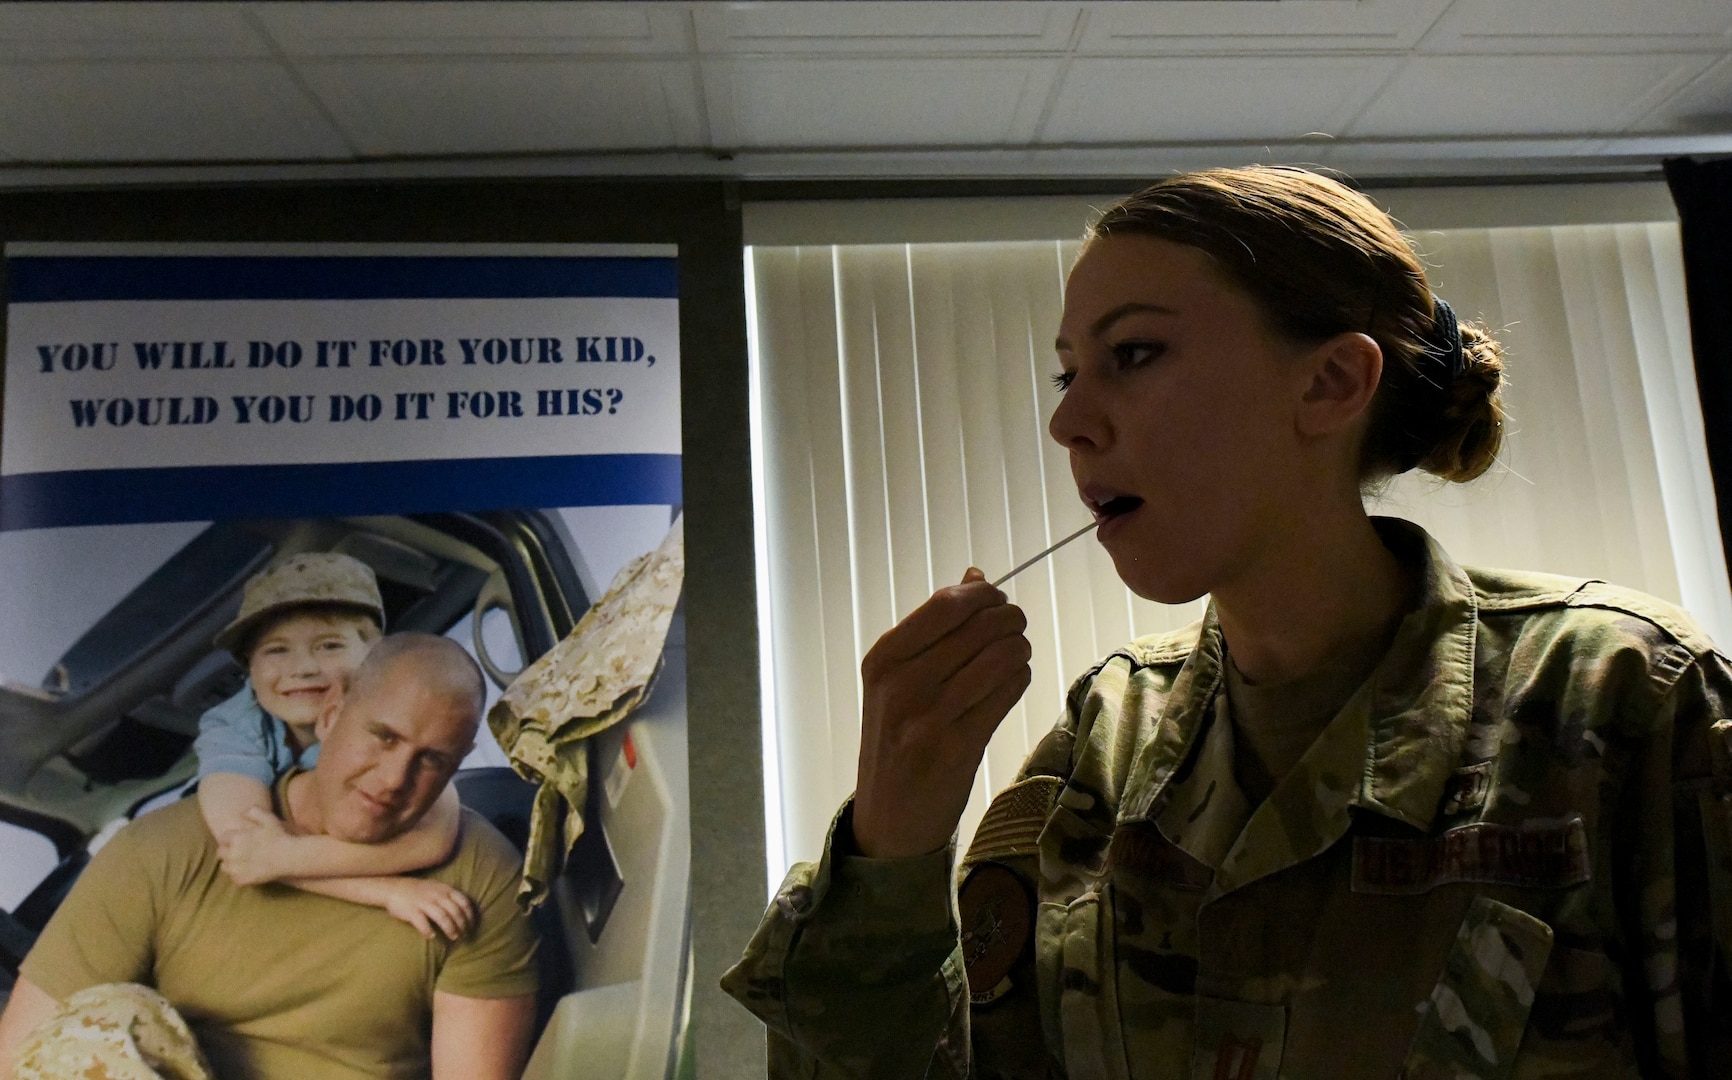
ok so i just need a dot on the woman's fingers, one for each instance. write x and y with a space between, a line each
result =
955 672
956 650
1002 663
942 655
944 611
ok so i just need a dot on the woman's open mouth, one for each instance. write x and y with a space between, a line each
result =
1117 506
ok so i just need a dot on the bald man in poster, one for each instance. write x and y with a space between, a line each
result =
277 983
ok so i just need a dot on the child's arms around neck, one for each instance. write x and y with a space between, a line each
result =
258 848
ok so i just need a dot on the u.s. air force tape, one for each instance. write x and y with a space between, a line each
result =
997 924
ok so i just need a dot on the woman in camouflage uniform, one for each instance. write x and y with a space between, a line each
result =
1376 815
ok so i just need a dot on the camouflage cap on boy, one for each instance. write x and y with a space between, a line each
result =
318 578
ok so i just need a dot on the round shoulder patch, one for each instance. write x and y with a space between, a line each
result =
997 925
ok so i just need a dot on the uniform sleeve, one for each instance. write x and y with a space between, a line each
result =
856 969
105 929
1685 903
231 739
497 959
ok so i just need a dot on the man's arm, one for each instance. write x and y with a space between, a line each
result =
480 1038
27 1009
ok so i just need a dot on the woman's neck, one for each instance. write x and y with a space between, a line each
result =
1325 588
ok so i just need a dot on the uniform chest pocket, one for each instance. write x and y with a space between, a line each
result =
1473 1022
1079 984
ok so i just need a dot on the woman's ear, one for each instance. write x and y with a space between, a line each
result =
1344 373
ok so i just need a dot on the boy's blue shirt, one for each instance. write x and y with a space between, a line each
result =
238 736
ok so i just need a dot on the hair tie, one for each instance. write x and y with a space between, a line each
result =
1444 342
1435 373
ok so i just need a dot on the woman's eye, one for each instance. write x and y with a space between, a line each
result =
1061 381
1137 353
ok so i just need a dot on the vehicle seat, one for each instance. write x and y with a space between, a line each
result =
20 928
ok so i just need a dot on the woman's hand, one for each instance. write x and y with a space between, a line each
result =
937 684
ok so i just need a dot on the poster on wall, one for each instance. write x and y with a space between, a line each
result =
489 435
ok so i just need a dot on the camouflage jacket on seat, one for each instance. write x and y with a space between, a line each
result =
1506 856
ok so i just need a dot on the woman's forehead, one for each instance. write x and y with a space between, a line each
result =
1114 271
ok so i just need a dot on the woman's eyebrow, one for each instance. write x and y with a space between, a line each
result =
1105 322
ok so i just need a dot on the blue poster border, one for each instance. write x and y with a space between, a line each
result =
207 492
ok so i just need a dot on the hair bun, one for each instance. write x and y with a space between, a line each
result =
1472 428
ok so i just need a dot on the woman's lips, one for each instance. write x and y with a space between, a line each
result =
1114 507
1120 504
1113 511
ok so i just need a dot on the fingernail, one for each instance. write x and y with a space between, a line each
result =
973 573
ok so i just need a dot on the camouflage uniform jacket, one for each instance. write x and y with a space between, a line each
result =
1506 856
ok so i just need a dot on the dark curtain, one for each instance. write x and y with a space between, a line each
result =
1702 191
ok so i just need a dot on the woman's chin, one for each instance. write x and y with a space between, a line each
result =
1155 582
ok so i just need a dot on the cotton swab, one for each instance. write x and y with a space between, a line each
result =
1025 565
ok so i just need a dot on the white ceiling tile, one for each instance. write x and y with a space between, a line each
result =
902 28
441 28
861 102
720 112
1704 105
1582 26
62 31
1187 99
1531 95
195 110
521 105
1166 27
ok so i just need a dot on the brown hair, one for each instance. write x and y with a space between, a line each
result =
1322 259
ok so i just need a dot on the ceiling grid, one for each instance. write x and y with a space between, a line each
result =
313 99
879 88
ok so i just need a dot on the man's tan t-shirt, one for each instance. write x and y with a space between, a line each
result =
275 982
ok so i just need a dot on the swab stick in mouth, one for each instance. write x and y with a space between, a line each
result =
1030 562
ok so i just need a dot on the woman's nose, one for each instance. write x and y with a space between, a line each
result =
1078 423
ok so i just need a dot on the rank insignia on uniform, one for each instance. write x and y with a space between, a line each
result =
1237 1040
997 925
1467 789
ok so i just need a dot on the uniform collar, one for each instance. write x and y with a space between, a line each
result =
1422 692
1419 706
